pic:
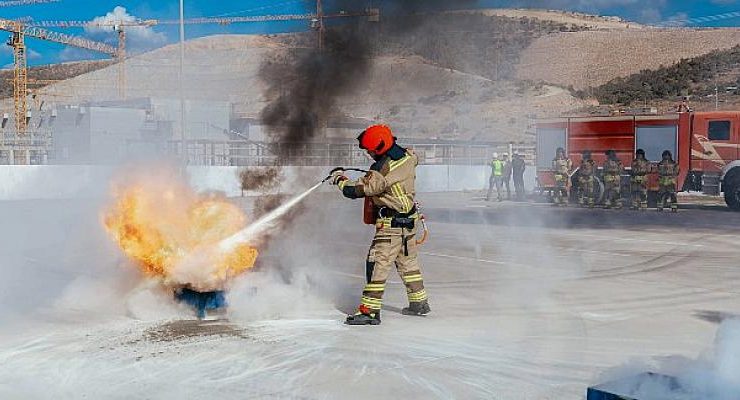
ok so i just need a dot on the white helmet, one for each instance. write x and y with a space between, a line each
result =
495 155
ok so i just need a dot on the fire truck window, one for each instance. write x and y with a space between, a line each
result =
548 140
655 139
719 130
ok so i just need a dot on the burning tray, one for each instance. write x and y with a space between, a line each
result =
202 302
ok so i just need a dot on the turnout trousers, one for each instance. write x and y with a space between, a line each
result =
667 193
586 191
393 247
612 191
638 187
560 194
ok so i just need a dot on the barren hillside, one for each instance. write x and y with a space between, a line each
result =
561 17
592 58
43 74
478 74
421 98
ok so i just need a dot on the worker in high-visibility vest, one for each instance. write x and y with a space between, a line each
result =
497 177
390 187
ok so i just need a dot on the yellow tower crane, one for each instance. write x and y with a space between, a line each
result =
19 31
21 146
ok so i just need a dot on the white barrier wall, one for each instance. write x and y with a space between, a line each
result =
69 181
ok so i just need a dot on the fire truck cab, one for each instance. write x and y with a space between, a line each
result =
704 144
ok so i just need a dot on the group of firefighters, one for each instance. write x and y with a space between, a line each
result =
613 170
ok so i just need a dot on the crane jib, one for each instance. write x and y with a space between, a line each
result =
39 33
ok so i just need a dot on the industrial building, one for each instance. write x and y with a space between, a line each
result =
111 132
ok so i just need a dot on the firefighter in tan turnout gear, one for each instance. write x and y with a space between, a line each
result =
389 188
613 171
561 166
638 180
667 176
586 180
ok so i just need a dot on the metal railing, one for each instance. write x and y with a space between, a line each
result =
243 153
38 148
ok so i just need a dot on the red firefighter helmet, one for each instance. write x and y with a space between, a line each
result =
377 139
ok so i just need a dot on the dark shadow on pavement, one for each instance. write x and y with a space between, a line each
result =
537 215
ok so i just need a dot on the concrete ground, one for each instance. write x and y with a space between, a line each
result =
529 302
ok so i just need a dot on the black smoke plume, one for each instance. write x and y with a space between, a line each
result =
304 84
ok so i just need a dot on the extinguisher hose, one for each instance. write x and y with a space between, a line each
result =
342 169
425 231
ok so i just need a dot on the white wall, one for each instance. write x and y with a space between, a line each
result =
68 181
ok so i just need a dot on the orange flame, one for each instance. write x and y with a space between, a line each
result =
173 234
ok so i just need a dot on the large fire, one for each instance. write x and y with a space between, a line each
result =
173 234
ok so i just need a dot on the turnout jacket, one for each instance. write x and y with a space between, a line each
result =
391 181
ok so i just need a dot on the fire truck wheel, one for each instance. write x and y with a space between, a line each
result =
731 187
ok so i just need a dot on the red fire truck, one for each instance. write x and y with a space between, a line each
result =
706 146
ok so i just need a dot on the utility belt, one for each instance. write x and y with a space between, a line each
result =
667 180
639 178
396 219
612 178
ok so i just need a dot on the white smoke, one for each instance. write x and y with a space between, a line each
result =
138 38
715 375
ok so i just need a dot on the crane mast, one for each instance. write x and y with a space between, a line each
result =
19 31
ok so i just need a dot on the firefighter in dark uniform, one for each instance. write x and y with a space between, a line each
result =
390 186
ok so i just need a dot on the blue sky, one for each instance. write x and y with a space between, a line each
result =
44 52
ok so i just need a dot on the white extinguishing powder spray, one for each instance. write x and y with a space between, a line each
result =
254 231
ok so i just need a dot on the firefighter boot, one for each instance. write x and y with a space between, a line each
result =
364 316
674 207
417 308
